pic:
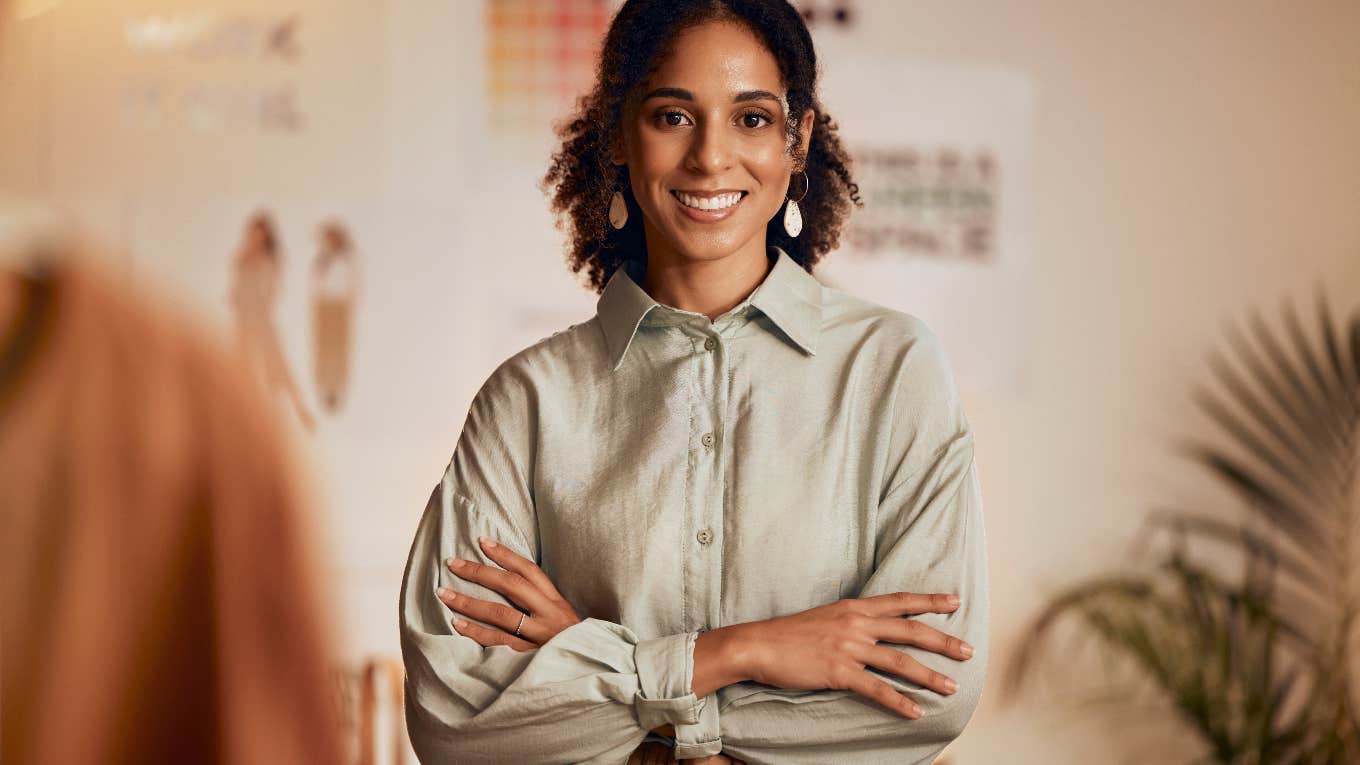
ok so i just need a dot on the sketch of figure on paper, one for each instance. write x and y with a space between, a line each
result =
254 294
335 288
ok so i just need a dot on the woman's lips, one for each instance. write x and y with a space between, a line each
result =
709 216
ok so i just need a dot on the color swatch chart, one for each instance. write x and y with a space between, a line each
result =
541 55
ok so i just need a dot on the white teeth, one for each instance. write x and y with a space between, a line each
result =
719 202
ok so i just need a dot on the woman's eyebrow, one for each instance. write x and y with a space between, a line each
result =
685 95
756 95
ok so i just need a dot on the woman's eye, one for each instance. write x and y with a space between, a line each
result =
666 118
745 119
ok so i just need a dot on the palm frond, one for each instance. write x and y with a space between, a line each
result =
1281 395
1313 403
1256 684
1305 571
1290 514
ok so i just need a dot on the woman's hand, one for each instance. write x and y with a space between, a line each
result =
524 584
828 647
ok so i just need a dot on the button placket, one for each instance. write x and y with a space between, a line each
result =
714 510
707 512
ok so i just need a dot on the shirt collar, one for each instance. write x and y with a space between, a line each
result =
790 296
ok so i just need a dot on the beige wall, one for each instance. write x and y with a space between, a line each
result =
1192 159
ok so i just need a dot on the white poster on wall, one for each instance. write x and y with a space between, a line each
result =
942 156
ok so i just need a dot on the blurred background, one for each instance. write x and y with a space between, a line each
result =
1082 198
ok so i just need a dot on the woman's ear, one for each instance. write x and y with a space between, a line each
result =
618 152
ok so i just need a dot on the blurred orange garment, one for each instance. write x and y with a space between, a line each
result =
159 602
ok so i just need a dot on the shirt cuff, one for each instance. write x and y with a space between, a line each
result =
665 668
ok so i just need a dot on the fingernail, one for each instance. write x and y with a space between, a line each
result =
950 685
967 651
444 592
952 600
916 710
454 563
460 625
488 541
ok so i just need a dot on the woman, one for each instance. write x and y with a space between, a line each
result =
715 500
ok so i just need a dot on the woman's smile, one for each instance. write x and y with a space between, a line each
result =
709 207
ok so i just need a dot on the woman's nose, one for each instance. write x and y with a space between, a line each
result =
711 151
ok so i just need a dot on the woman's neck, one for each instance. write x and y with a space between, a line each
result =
711 287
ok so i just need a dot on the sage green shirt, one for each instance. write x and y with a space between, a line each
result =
672 474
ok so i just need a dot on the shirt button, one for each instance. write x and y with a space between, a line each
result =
704 536
708 440
710 344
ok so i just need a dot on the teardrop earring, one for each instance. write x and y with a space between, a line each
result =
618 211
793 217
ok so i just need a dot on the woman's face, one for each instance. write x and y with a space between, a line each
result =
710 126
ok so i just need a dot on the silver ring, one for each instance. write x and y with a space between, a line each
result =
521 621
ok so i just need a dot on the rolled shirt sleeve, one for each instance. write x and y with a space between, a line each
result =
590 694
665 673
929 538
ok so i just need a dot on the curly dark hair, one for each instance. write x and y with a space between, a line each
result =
583 179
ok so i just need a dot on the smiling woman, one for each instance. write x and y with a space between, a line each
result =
716 500
732 110
679 144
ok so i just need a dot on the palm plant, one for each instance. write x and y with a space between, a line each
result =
1256 665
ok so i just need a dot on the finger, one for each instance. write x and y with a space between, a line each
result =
918 633
513 561
904 665
898 603
487 636
497 614
511 585
870 687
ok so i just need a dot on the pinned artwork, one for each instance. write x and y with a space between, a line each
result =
206 34
827 13
335 289
196 41
541 55
922 201
253 298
